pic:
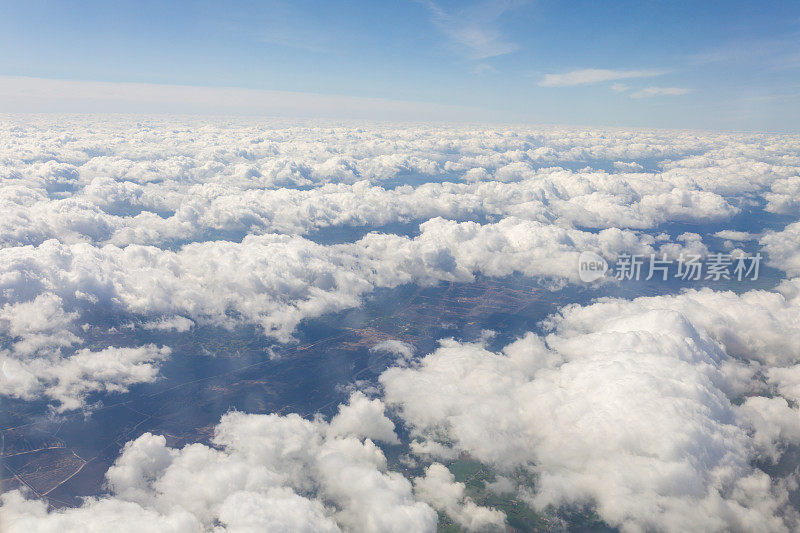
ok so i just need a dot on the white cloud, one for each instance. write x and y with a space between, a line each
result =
23 515
783 248
39 95
263 472
660 91
276 281
474 29
40 360
183 223
658 411
630 167
439 488
363 418
589 76
396 347
784 196
735 235
627 406
69 379
173 323
172 187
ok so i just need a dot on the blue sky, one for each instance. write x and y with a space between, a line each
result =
721 65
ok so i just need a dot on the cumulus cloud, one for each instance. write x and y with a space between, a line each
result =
69 379
654 411
177 225
184 224
629 166
439 488
262 472
39 358
629 406
172 187
784 196
783 248
735 235
396 347
276 281
172 323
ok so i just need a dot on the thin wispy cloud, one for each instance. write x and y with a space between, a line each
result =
777 54
299 39
660 91
475 30
19 93
589 76
280 23
483 68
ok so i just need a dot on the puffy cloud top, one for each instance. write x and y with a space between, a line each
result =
661 413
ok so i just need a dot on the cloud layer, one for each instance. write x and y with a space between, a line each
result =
659 412
652 410
667 412
177 224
